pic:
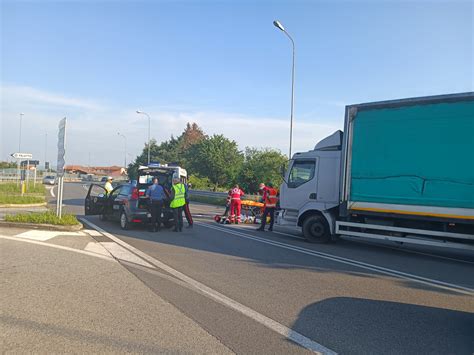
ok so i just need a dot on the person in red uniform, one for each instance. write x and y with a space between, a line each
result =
187 212
235 204
270 200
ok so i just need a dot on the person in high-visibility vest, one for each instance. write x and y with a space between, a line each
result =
178 200
108 185
270 200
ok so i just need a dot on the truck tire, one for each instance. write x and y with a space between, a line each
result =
124 223
316 230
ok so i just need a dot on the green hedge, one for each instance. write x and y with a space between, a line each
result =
43 218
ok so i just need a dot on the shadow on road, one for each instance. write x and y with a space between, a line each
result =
260 254
336 322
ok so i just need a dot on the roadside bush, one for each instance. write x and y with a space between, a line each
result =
199 183
43 218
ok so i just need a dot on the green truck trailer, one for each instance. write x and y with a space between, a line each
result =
404 171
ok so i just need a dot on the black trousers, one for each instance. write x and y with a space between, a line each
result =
268 211
178 218
156 207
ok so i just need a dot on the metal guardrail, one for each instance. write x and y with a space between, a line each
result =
220 194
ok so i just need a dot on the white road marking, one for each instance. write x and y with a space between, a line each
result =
95 247
45 235
92 232
359 264
407 250
219 297
51 191
120 253
79 251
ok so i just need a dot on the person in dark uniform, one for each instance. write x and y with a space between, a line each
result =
156 194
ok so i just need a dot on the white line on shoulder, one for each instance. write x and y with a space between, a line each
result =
222 299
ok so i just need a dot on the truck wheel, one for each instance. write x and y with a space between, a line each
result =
316 230
124 224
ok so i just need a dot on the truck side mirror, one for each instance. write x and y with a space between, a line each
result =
283 172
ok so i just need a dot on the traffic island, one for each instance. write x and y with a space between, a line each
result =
43 220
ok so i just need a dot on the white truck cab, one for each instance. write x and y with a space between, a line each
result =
309 197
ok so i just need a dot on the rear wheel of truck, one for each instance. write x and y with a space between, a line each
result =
316 229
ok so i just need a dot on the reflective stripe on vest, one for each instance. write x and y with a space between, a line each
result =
179 193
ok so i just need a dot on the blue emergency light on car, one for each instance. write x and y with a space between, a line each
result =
154 165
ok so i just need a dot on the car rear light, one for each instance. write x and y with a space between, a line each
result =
135 194
136 220
141 192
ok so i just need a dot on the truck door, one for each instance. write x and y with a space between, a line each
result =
95 201
302 184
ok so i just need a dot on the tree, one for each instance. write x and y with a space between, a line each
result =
261 166
192 134
173 150
7 165
217 158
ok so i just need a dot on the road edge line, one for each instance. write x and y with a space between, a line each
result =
221 298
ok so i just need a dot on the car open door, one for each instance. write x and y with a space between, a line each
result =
96 200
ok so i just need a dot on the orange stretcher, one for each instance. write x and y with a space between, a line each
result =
251 210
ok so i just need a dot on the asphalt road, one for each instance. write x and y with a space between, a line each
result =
275 293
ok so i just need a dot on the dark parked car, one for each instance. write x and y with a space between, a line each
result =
127 202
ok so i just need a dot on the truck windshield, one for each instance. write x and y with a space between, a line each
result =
302 171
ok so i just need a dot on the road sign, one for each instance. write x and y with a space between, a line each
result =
61 147
22 155
29 162
60 168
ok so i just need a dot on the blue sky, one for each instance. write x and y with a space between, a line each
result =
220 63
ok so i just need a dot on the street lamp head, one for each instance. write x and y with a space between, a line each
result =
22 114
138 111
278 25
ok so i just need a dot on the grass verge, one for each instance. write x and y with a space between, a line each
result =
13 188
20 200
43 218
10 193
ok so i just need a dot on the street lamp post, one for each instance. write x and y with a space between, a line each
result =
125 140
278 25
149 120
19 148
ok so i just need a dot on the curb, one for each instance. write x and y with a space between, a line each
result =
51 227
27 205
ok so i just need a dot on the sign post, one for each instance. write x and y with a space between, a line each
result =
61 162
19 156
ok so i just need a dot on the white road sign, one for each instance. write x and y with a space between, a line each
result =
22 156
61 147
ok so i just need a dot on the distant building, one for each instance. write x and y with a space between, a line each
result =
114 171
